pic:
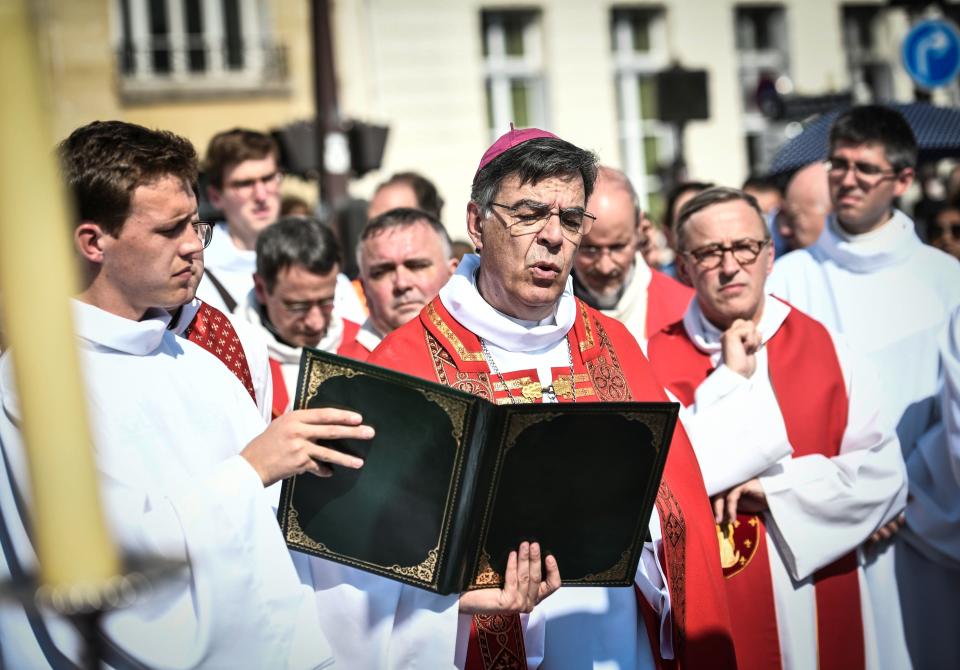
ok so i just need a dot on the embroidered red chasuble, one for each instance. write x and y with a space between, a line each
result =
608 365
808 383
281 399
667 301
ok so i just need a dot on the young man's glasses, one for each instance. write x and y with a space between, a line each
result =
531 217
244 187
204 230
745 252
866 172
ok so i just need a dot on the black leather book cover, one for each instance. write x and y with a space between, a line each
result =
452 483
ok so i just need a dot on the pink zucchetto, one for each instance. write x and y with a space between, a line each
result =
509 140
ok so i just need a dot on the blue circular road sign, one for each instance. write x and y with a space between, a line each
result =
931 53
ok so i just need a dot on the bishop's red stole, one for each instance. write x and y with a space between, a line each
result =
212 330
281 399
808 383
454 357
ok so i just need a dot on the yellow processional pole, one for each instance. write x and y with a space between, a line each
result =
37 275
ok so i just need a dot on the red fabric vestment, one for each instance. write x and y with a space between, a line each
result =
667 300
212 330
608 366
281 398
808 383
350 347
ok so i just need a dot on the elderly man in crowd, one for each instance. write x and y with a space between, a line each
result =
786 425
510 314
609 271
409 190
404 257
806 204
871 279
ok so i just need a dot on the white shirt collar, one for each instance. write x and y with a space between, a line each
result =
110 331
224 255
465 304
890 244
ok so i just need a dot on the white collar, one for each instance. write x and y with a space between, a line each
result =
706 336
890 244
368 335
110 331
223 254
185 316
465 304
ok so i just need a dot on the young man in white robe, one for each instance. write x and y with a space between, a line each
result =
244 183
182 451
786 425
871 279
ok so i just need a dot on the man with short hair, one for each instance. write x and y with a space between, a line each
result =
182 451
404 258
609 272
244 183
291 303
785 423
806 204
507 327
871 279
406 189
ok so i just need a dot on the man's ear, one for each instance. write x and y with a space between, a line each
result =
88 239
475 225
215 197
260 289
903 181
682 271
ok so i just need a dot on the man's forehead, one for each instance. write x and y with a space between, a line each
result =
252 167
299 276
719 219
169 195
544 190
849 146
407 241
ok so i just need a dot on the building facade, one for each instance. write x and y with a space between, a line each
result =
447 76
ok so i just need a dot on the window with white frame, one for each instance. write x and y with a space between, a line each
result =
871 79
199 46
513 67
763 63
638 40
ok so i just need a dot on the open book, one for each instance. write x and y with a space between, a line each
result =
452 483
